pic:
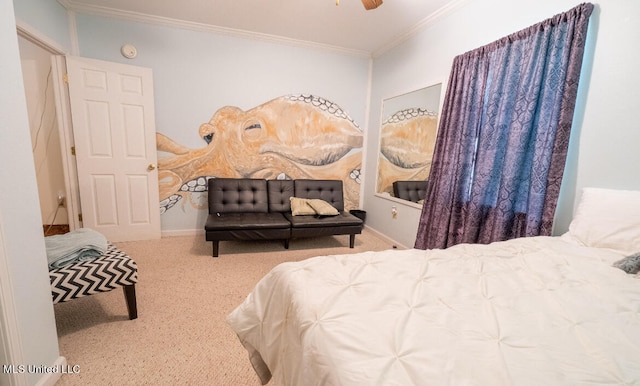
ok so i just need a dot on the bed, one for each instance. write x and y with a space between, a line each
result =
561 310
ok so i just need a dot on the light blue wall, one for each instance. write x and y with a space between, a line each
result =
603 150
196 73
21 237
48 17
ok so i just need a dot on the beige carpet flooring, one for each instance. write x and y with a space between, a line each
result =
181 336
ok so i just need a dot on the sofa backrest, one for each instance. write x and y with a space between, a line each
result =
410 190
327 190
279 193
233 195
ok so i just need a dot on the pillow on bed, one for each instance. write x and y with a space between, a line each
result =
322 207
301 207
630 264
607 218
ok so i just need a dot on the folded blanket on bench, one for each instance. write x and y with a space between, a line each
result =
79 245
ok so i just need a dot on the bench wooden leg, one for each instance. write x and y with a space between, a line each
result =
216 247
130 297
352 240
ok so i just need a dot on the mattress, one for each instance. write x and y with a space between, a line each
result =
530 311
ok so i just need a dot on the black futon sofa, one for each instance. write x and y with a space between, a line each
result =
414 191
260 209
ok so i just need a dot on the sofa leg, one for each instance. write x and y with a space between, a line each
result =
130 297
352 240
286 244
216 246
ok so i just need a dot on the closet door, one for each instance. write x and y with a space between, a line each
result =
113 119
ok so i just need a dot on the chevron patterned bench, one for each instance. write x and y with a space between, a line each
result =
112 270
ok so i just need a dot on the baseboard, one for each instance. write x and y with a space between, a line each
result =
385 237
50 379
182 232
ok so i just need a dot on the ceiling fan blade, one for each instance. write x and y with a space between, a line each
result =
371 4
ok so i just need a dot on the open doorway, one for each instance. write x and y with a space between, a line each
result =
125 207
45 139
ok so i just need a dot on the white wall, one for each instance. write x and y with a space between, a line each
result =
22 238
603 149
196 73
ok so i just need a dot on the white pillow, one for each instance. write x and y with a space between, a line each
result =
607 218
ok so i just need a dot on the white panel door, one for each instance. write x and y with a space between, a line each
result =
113 118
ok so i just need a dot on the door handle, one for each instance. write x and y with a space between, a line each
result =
151 167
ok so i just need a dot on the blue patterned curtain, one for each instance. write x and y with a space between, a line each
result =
504 134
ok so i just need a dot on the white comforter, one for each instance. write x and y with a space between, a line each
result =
531 311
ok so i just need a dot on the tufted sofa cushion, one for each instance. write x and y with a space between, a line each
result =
327 190
280 193
238 195
410 190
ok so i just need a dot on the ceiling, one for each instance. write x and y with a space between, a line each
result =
347 26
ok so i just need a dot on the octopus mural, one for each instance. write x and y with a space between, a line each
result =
290 137
407 142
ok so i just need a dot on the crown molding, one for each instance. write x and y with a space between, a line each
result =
439 14
425 23
70 5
